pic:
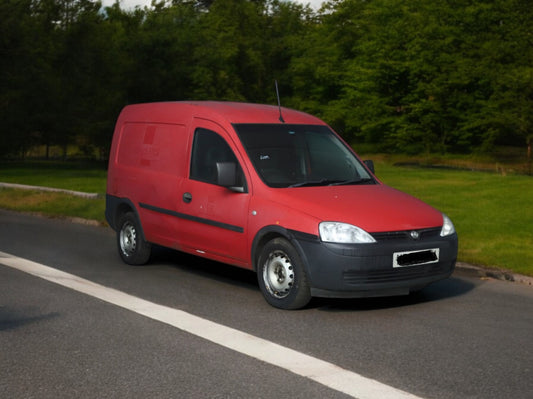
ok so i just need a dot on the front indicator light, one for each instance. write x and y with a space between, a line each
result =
447 226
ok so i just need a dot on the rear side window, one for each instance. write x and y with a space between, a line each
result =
208 149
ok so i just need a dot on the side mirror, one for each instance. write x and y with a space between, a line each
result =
369 164
227 176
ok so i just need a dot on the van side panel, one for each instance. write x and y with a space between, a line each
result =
150 164
153 147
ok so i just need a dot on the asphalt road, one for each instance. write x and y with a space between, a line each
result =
464 337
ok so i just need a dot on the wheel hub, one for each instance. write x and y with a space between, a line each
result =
278 275
128 239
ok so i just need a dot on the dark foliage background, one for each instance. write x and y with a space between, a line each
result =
404 76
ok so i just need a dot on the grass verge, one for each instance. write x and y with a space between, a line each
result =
89 178
53 204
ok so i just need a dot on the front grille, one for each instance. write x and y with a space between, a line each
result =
356 277
406 235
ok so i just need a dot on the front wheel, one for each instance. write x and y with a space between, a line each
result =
282 277
132 247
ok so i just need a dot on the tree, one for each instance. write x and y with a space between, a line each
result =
423 75
27 76
160 49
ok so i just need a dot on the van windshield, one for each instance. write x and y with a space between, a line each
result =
300 155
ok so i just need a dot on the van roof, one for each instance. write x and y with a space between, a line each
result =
232 112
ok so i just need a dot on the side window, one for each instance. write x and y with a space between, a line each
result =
208 149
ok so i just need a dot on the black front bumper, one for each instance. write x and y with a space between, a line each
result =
365 270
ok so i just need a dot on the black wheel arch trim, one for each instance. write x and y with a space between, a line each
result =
112 215
293 236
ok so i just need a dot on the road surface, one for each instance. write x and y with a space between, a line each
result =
183 327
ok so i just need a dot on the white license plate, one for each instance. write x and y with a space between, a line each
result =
415 258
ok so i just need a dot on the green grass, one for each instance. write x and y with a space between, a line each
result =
78 177
493 213
88 178
52 204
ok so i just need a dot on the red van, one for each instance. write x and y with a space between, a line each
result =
273 190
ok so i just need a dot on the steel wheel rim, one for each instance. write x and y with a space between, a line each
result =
128 239
278 274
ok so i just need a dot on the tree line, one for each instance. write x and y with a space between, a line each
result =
407 76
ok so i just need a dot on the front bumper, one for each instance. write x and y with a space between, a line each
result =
366 270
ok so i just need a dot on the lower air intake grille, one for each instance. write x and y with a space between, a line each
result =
356 277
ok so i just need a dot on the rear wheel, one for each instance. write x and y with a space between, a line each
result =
282 277
132 247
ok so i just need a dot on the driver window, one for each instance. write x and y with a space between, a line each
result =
208 149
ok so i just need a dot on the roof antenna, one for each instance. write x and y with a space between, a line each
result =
279 103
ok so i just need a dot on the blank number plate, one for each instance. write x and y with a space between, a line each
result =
415 258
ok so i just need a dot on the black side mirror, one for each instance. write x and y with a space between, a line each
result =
227 176
369 164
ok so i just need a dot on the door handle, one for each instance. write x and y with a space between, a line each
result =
187 197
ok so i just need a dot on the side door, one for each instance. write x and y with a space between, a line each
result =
214 218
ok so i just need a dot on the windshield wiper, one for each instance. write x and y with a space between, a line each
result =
331 182
323 182
353 181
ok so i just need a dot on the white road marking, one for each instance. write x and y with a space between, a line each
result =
323 372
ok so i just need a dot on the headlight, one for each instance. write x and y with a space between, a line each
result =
447 226
343 233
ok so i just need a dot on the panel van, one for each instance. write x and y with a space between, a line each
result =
272 190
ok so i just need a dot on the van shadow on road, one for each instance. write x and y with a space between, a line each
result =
445 289
448 288
13 318
205 268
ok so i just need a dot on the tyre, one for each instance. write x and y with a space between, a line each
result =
282 277
132 247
